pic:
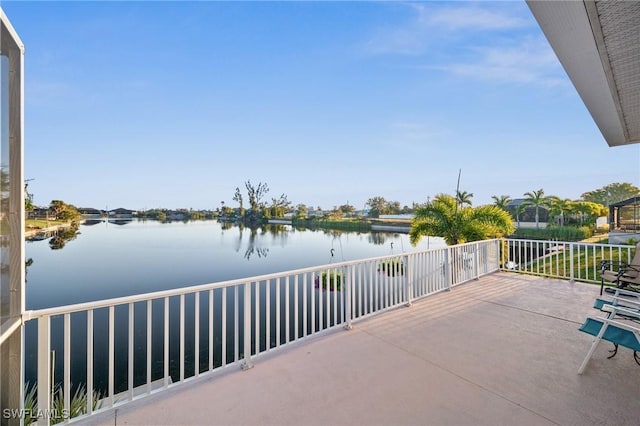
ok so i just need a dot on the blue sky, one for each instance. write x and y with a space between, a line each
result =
175 104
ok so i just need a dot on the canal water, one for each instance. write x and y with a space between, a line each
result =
114 259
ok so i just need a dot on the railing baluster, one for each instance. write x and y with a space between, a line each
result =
90 361
313 302
236 324
44 366
211 333
278 313
321 284
196 336
111 377
67 361
347 294
335 295
166 342
359 287
304 305
257 314
224 326
247 326
287 324
181 359
295 308
149 342
267 317
130 351
327 304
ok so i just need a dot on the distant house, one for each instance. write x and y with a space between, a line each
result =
90 213
624 216
176 215
121 213
41 213
528 216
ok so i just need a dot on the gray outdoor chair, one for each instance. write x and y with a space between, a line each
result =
622 274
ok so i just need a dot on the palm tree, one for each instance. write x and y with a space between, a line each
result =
559 206
536 199
464 197
502 201
520 208
442 217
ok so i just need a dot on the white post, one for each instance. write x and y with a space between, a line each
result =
408 280
571 248
247 364
44 365
347 298
476 260
447 268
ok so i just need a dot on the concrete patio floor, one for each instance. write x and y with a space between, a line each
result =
503 350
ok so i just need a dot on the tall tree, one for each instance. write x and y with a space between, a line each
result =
238 197
519 209
464 198
589 211
559 206
536 199
443 217
279 206
612 193
255 194
501 201
347 209
378 206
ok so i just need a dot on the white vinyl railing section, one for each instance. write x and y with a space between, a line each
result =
122 349
557 259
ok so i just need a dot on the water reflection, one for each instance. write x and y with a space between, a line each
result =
62 236
145 256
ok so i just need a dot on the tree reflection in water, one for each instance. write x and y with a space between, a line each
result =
63 236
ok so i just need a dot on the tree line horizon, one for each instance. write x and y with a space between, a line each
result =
590 205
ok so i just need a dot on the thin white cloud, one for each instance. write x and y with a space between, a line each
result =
532 61
468 17
431 24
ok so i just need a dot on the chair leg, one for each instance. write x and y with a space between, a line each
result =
613 351
594 345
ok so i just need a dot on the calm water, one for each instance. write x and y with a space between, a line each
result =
111 260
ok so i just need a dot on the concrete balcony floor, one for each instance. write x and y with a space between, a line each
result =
503 350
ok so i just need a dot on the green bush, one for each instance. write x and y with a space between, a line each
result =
564 233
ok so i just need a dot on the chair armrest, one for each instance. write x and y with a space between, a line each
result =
619 310
622 292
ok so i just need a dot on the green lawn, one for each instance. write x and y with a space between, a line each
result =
586 262
30 224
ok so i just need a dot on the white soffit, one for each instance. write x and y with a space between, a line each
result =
598 44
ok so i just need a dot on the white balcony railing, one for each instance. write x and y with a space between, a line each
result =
123 349
574 261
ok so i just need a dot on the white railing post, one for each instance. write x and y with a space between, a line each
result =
44 373
571 251
476 260
247 364
347 298
408 280
447 268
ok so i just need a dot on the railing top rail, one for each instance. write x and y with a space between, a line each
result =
59 310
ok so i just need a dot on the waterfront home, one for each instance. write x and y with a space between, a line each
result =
90 213
121 213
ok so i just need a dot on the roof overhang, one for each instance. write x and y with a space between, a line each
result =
598 44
